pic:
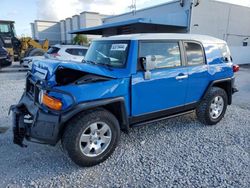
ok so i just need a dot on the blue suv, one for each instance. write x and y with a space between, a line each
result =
124 81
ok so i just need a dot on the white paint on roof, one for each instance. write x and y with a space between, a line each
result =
165 36
70 46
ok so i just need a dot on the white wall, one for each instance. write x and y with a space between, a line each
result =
68 26
91 19
75 23
240 54
222 20
47 30
63 31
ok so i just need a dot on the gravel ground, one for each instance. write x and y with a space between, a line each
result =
179 152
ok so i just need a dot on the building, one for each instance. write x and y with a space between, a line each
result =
42 30
58 31
210 17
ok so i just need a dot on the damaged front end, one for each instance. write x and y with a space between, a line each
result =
33 121
37 121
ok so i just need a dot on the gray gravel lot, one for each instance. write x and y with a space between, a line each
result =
179 152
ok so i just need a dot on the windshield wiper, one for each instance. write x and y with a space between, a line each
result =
94 63
90 62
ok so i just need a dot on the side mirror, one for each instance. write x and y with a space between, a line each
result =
148 64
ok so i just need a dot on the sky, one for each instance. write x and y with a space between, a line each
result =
23 12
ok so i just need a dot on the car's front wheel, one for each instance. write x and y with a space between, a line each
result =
213 107
91 137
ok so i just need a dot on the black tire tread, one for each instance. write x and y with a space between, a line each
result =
69 142
202 111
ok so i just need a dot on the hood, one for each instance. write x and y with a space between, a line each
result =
48 67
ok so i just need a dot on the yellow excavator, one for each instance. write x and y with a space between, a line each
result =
19 48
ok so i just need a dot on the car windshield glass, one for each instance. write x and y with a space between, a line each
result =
112 53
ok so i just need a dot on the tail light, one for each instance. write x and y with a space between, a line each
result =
236 68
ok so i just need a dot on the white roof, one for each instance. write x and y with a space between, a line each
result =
70 46
164 36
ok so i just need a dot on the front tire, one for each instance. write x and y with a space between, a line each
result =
91 137
213 107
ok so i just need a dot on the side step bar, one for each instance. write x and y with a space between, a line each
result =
162 118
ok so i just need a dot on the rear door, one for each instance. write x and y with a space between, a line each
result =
166 89
197 71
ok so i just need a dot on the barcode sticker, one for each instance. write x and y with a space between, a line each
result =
119 47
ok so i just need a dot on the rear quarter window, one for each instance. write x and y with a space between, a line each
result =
53 50
225 52
194 53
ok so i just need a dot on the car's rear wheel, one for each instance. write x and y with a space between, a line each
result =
213 107
91 137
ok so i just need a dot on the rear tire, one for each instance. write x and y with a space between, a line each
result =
91 137
213 107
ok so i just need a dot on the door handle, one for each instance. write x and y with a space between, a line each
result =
181 77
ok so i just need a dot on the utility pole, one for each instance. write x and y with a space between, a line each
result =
133 7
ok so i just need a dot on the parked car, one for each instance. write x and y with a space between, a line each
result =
126 81
5 59
28 61
67 52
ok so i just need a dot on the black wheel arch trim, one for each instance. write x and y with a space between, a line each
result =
124 123
228 86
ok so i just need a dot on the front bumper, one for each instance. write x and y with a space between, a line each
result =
32 123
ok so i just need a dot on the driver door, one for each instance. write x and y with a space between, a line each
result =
167 87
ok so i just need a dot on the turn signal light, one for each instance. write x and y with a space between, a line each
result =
51 102
236 68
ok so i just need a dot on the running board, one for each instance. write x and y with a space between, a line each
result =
162 118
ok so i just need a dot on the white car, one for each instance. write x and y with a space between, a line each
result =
67 52
27 61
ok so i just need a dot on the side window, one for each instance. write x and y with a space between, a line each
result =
194 52
76 51
164 54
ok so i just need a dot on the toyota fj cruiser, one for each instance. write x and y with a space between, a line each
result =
123 82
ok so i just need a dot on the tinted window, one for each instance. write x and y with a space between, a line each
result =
165 54
53 50
194 53
76 51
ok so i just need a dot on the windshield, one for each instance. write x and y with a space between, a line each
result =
112 53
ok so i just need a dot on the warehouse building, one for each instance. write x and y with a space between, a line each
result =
42 29
58 31
211 17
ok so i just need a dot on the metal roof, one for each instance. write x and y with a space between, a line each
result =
162 36
144 21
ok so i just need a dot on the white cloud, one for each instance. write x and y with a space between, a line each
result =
58 9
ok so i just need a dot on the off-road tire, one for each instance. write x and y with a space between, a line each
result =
76 126
202 111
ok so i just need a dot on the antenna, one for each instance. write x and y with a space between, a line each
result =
133 7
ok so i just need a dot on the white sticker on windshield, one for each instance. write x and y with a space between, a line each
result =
118 47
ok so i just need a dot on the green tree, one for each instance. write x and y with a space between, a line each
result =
80 39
